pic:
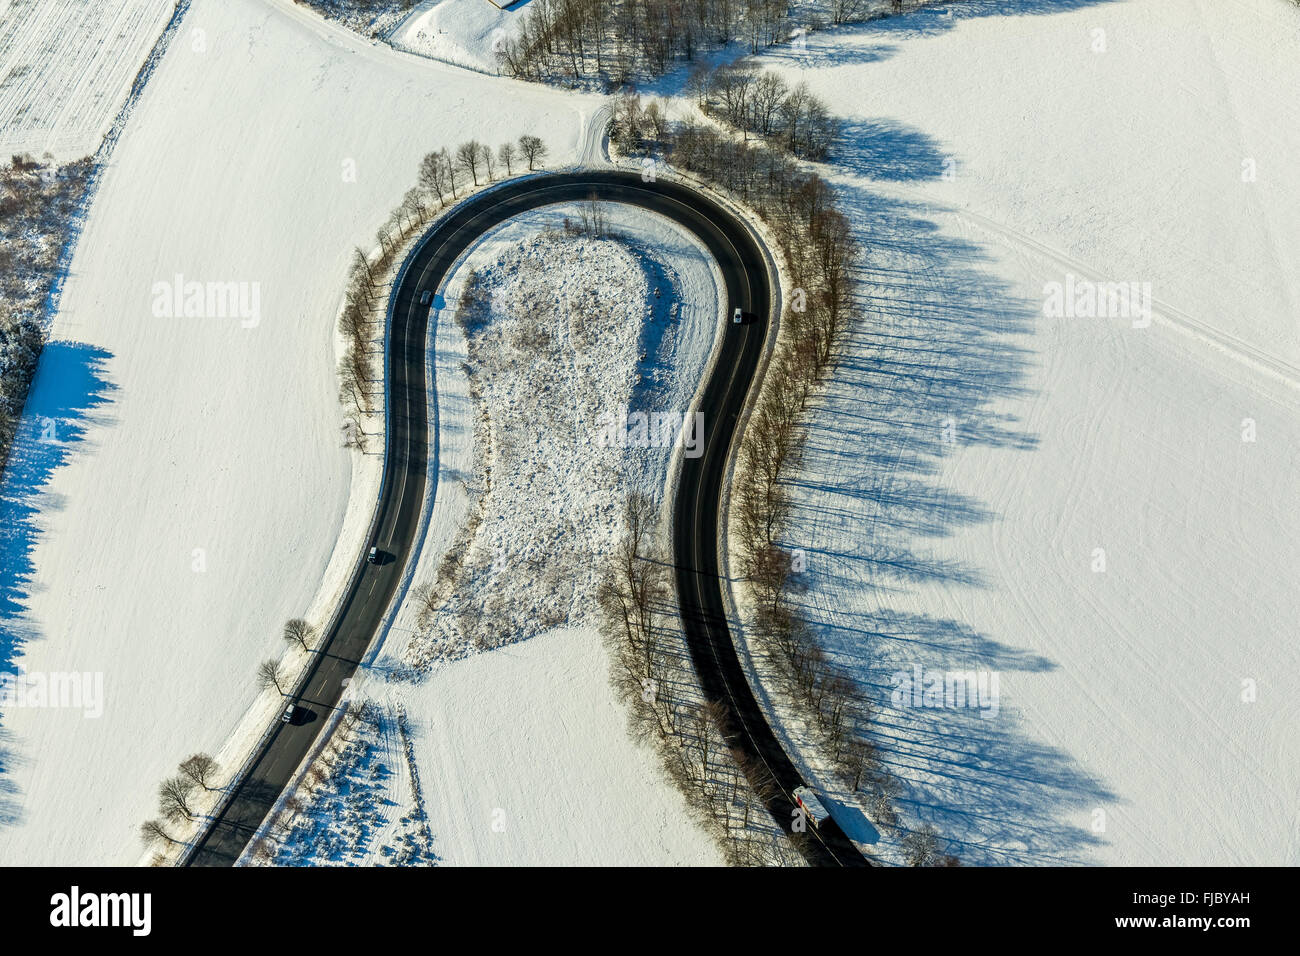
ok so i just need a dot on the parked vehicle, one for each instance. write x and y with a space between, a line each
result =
806 799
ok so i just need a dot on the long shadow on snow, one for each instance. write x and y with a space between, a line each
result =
942 341
66 395
874 40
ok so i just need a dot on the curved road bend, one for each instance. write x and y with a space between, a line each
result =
695 511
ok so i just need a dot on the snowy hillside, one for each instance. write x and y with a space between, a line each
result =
193 496
66 67
467 33
1057 457
1096 505
521 748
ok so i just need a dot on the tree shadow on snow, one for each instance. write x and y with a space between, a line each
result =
942 17
877 39
890 150
67 394
942 345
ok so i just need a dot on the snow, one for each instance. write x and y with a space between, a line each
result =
66 67
463 32
524 760
197 494
539 768
371 18
974 452
969 460
555 372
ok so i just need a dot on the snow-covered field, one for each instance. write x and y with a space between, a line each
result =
193 489
522 751
66 67
1098 510
467 33
523 759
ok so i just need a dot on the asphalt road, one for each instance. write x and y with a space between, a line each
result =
695 510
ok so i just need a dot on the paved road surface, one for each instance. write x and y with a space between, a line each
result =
695 511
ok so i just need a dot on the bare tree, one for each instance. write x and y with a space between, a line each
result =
297 631
355 360
713 729
849 11
921 846
507 154
350 390
263 851
592 218
489 162
639 577
354 436
151 831
199 768
434 177
769 573
859 758
656 118
697 85
414 205
174 798
882 810
269 675
534 150
732 86
469 157
361 265
770 92
627 132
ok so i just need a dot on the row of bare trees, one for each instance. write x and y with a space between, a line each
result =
617 42
270 673
758 101
817 243
180 799
442 178
819 249
38 204
440 171
651 671
180 796
815 238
